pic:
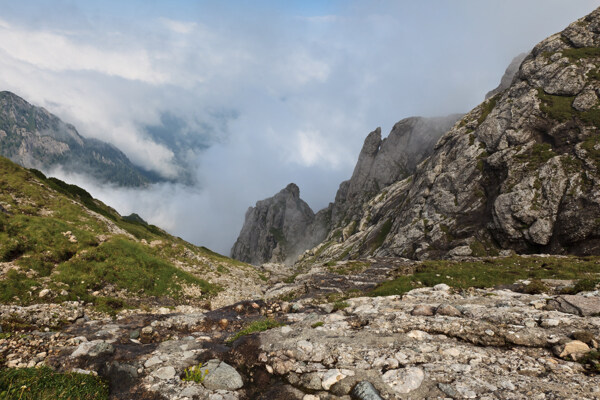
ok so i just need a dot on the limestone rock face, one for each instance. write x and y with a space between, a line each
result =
519 172
281 228
277 229
35 138
384 161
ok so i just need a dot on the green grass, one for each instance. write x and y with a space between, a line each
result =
582 52
127 265
560 108
486 109
348 268
488 273
340 305
591 361
317 324
16 284
383 232
45 384
256 326
536 156
52 237
556 107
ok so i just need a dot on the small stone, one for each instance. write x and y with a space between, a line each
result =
417 334
147 330
44 293
239 308
223 323
452 352
441 287
404 380
423 310
93 349
448 310
331 377
584 336
310 397
365 391
134 334
152 362
286 329
575 349
164 373
549 323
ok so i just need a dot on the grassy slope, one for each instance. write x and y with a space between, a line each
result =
55 235
490 272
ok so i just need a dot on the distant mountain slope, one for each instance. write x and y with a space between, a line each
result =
35 138
58 243
519 172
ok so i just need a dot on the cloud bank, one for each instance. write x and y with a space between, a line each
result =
238 100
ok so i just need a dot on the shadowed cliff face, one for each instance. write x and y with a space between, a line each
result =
519 172
34 138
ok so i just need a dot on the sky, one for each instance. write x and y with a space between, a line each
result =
236 99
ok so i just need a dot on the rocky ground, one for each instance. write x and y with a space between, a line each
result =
429 343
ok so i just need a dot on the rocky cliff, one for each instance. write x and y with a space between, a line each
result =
280 228
519 172
277 229
384 161
34 138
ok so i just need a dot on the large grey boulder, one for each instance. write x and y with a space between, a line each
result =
221 376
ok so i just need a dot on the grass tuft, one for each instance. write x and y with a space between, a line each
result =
45 384
256 326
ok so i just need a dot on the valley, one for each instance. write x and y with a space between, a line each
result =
461 260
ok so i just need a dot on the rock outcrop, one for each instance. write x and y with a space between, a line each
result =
519 172
35 138
384 161
277 229
282 227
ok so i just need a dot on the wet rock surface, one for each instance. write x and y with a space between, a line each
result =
476 343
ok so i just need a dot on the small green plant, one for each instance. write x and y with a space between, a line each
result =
195 374
317 324
591 361
536 287
256 326
340 305
487 108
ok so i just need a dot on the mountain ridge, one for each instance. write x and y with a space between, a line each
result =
35 138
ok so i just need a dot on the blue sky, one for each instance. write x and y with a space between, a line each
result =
256 94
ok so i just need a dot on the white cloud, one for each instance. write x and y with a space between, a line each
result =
55 52
311 148
181 27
